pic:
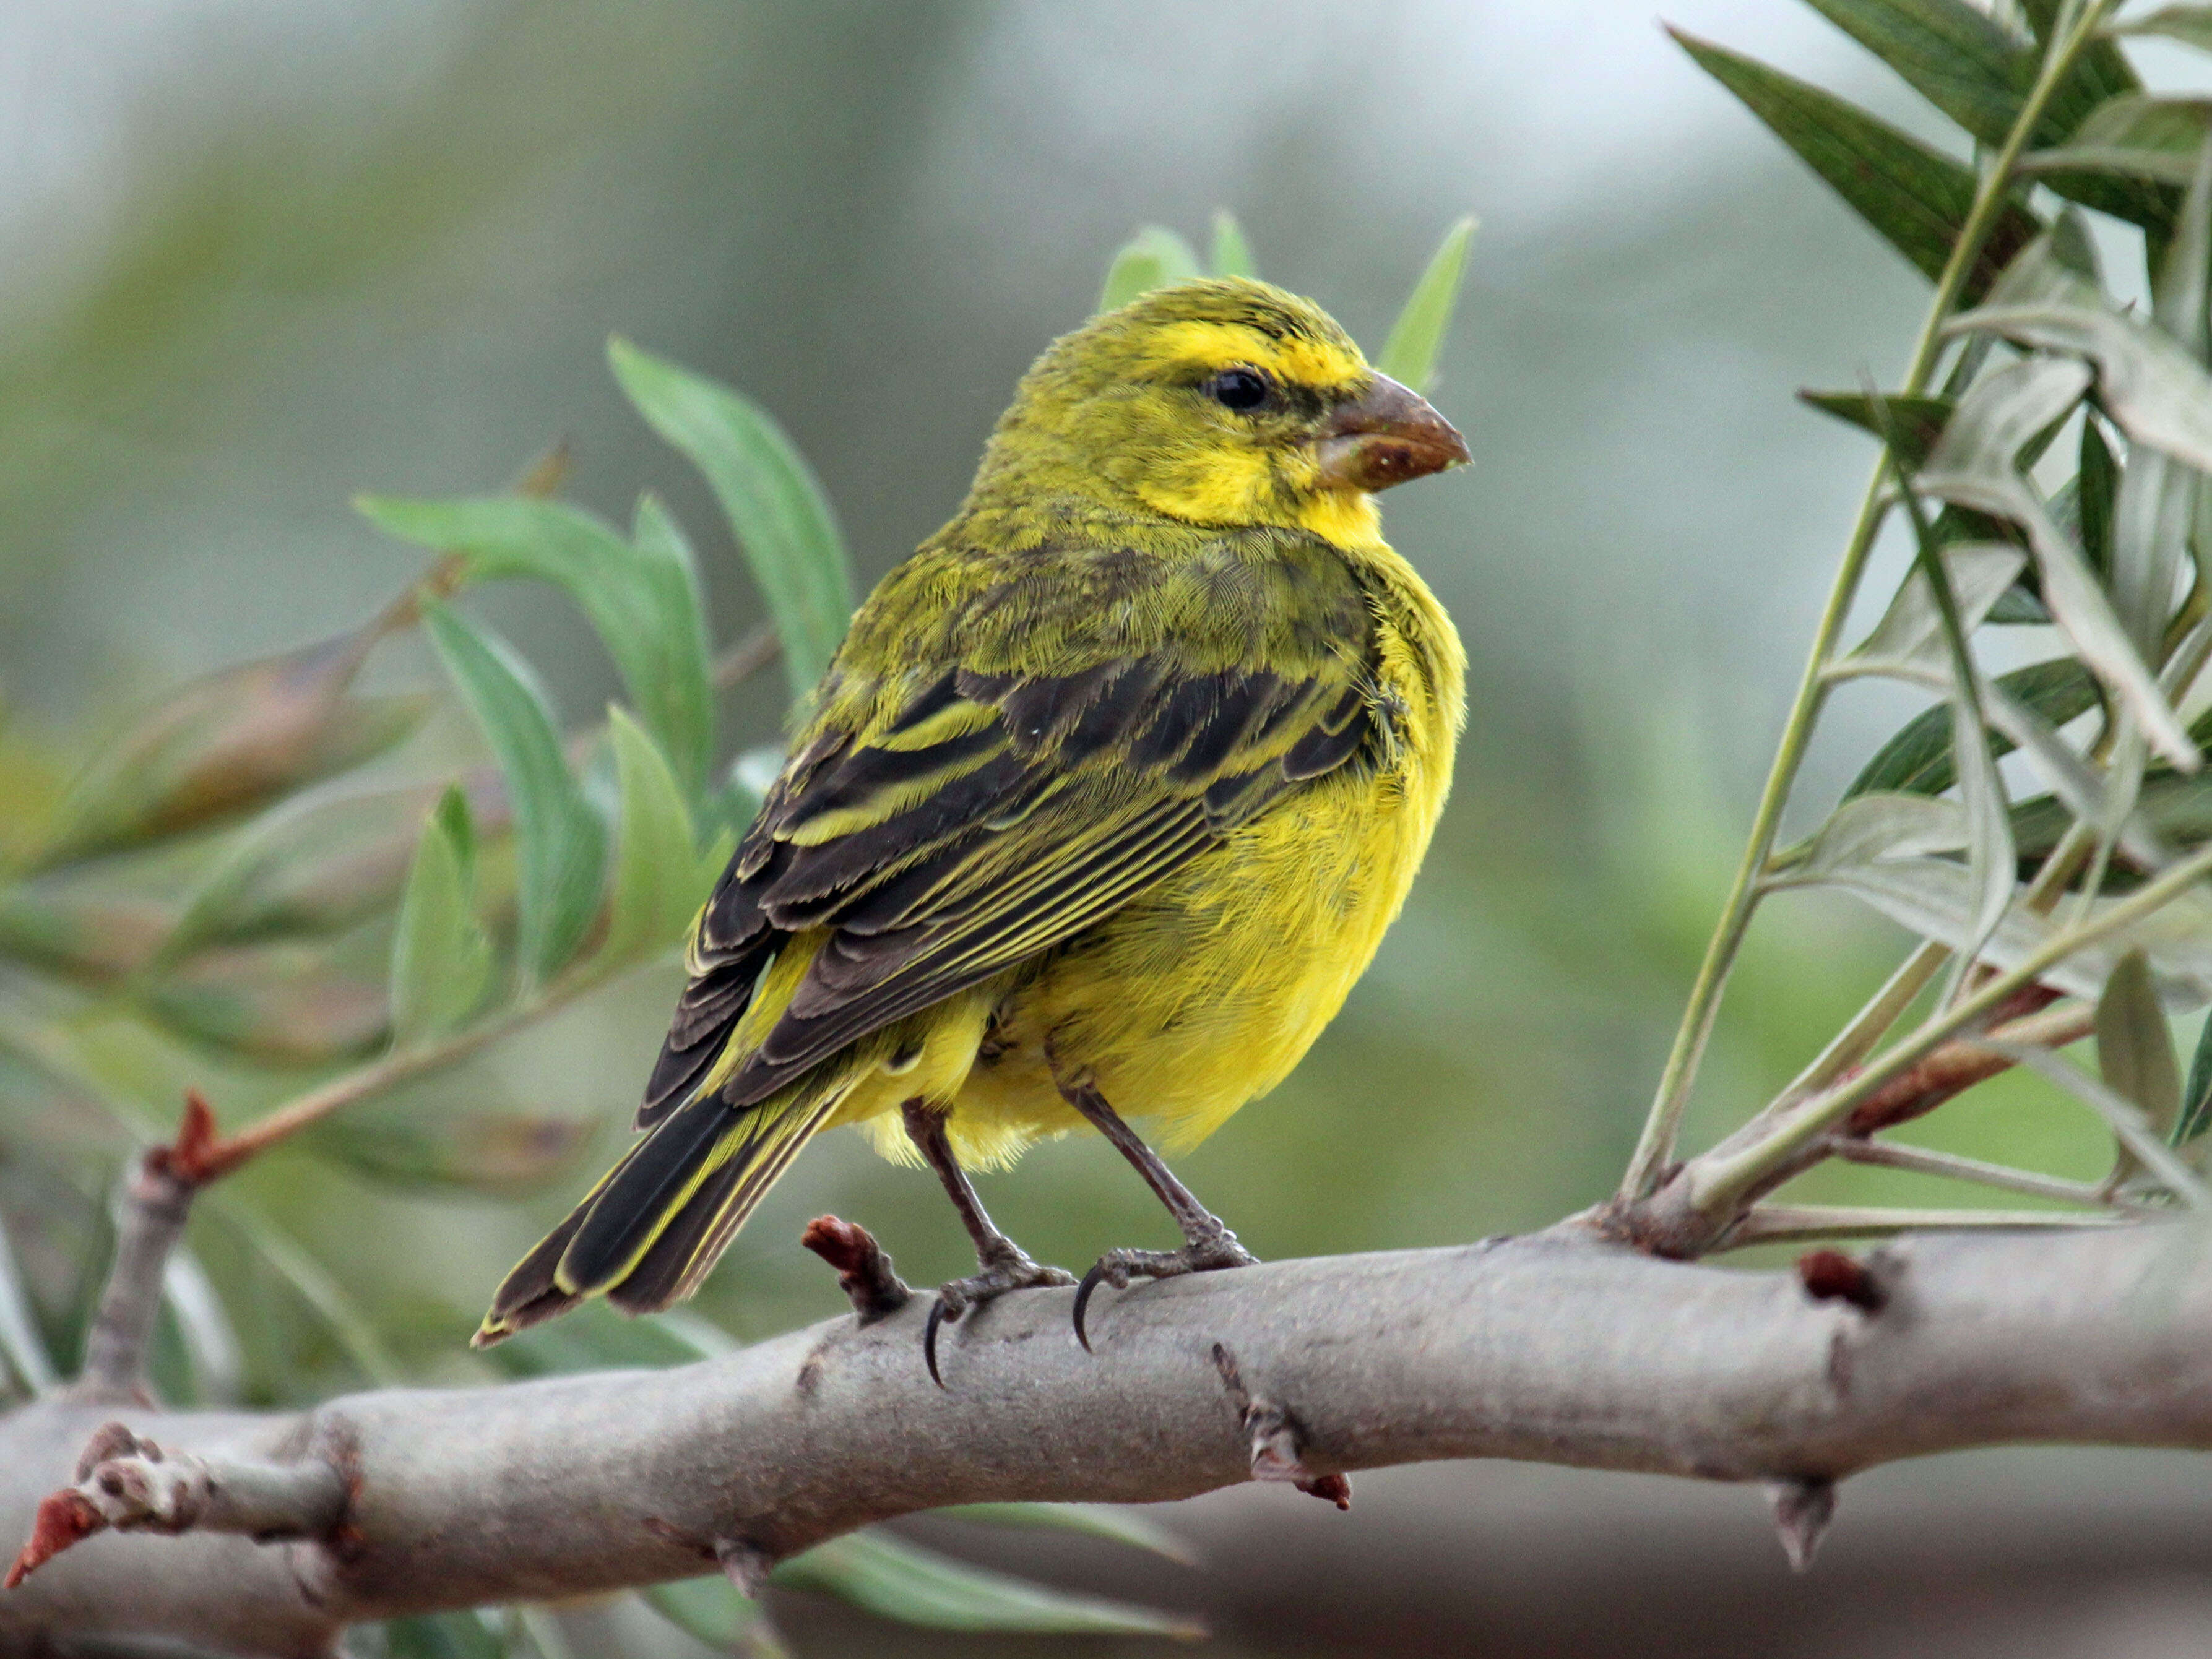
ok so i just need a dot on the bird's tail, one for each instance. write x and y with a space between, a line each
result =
646 1235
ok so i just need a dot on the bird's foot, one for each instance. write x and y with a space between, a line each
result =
1010 1269
1208 1253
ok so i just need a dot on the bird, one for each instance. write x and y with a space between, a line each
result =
1101 808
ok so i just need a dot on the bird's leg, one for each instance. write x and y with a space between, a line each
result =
1208 1243
1005 1265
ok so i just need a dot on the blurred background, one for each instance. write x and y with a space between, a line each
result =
263 256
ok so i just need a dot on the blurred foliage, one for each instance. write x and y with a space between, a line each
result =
278 881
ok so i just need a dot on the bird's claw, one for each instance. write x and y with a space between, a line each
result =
1118 1267
1010 1272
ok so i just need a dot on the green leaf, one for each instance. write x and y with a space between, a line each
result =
2140 137
442 957
1978 74
20 1341
709 1610
1917 760
1409 355
1108 1520
1154 257
1911 633
775 506
1975 466
561 845
643 601
1915 423
1230 255
503 1153
228 743
1917 198
896 1580
2095 487
2190 25
660 881
671 577
283 1004
2195 1115
2135 1049
441 1636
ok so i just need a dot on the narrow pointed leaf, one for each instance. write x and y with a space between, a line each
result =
20 1341
1915 423
2148 1150
2190 25
2196 1115
210 1340
442 957
2134 1050
775 506
1917 198
1417 338
1231 256
1154 257
643 601
281 1002
1911 632
2141 136
894 1579
1917 760
710 1610
1974 466
1123 1526
659 882
561 845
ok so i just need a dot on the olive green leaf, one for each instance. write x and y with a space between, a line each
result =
660 880
1230 255
442 957
2196 1115
561 845
1417 338
1154 257
775 506
1917 198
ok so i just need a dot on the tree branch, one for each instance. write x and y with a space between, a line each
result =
1555 1349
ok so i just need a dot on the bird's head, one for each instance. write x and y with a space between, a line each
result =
1221 402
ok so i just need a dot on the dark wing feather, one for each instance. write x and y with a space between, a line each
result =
979 819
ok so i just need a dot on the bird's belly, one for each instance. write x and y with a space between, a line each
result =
1204 991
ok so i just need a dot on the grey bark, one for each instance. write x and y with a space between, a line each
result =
1553 1348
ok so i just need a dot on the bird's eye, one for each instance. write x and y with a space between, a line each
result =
1238 388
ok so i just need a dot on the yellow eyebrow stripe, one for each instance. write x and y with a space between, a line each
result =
1301 361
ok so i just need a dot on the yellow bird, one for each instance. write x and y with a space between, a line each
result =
1102 806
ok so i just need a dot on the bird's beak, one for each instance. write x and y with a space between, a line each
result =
1386 435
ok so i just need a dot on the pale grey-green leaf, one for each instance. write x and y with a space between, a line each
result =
1154 257
1417 338
442 957
658 881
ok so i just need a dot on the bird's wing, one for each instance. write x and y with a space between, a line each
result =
982 817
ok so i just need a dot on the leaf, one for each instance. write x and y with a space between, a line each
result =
319 864
1916 422
1917 198
229 742
561 845
2141 137
2096 485
775 506
20 1341
894 1579
1417 338
2190 25
1885 864
504 1154
643 601
1231 256
283 1004
1917 760
441 1636
2146 382
84 930
442 957
1154 257
2135 1049
710 1610
659 879
1974 466
2196 1115
2123 1117
1108 1520
1911 632
210 1338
